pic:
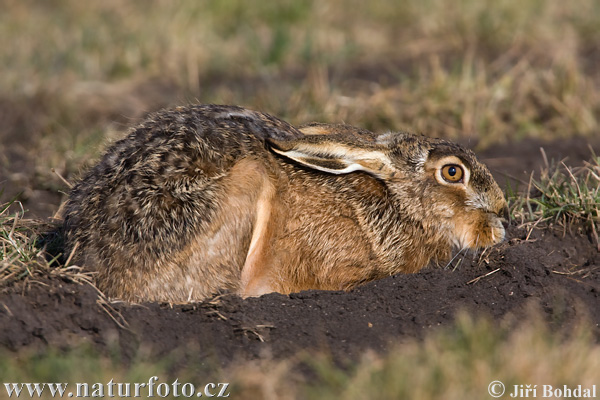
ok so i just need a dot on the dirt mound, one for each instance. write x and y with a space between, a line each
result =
560 273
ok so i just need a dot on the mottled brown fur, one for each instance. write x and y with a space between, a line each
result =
205 198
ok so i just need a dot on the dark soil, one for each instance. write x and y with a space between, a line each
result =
559 273
556 269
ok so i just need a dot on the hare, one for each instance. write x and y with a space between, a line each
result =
205 198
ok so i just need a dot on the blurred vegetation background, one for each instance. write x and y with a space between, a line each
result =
74 73
457 362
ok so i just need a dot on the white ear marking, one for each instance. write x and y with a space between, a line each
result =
336 155
371 162
301 158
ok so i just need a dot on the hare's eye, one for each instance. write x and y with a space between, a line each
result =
452 173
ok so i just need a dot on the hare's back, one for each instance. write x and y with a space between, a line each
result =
209 137
164 181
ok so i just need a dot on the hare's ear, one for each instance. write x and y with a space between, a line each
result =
327 154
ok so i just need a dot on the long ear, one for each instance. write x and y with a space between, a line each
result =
333 154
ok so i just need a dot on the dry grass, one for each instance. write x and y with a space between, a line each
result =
459 363
19 256
23 250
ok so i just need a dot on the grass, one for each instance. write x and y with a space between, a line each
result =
457 362
563 195
20 256
30 249
460 362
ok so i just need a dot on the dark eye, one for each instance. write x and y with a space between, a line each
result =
452 173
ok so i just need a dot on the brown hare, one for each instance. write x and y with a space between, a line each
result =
205 198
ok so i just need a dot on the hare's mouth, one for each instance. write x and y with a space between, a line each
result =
484 231
498 234
497 231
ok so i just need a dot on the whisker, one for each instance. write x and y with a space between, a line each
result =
456 255
463 248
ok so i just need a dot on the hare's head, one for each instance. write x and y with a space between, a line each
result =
437 184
